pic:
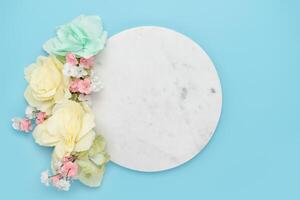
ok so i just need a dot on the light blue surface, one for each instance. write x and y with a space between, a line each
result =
255 45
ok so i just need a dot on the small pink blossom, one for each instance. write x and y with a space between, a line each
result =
87 62
84 86
55 180
40 117
71 59
69 169
74 85
81 86
25 125
67 158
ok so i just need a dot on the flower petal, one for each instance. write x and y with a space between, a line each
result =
85 142
90 174
43 137
88 123
43 106
60 150
84 37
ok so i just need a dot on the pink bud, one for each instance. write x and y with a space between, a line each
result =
69 169
40 117
55 180
87 62
74 85
71 58
67 158
25 125
84 86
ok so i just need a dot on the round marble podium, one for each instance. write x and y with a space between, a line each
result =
161 100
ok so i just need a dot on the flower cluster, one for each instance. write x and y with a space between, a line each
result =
32 116
59 114
83 80
66 171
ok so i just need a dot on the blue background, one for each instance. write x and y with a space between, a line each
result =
255 46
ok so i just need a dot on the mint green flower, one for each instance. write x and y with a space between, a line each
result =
84 37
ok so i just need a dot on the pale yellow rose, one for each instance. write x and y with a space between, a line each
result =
47 84
69 129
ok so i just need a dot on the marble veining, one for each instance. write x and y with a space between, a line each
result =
161 100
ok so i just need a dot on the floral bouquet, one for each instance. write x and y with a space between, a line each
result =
59 113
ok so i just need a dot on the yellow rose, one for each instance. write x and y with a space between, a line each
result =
69 129
47 85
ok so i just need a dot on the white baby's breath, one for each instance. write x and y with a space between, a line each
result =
57 165
74 71
96 84
16 123
45 177
81 72
69 70
30 112
64 184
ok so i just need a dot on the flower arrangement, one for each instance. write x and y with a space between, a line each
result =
59 114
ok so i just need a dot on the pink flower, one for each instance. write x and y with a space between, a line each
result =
69 169
74 85
25 125
71 58
87 62
40 117
84 86
67 159
55 180
81 86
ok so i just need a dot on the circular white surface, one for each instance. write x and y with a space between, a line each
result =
161 100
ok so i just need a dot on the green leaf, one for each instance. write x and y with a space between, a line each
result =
62 59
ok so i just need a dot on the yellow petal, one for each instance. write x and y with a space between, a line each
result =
28 70
44 106
54 161
88 123
44 96
56 125
60 94
59 150
43 137
85 142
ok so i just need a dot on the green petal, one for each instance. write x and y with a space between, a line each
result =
90 174
92 163
98 146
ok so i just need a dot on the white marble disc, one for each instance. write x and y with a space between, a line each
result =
161 100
